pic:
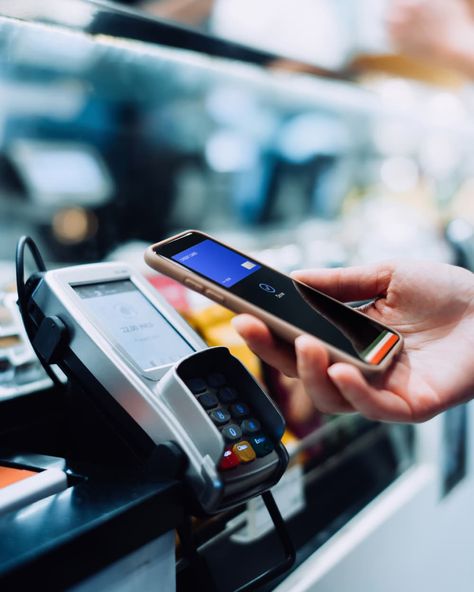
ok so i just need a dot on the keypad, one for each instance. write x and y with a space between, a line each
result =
245 440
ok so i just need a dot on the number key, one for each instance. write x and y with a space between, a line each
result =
208 400
216 380
196 385
232 432
239 410
227 395
250 426
220 416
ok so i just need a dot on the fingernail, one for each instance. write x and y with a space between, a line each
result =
235 321
302 342
333 373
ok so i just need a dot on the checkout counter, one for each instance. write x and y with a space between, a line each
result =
165 128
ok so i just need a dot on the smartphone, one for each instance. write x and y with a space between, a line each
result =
288 307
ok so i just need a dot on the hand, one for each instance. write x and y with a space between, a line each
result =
432 29
430 304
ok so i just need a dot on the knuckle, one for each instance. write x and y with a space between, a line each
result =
321 406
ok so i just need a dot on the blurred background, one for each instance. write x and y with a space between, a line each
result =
310 133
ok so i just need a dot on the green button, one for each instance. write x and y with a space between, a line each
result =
262 445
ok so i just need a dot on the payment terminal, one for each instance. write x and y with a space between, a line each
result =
109 331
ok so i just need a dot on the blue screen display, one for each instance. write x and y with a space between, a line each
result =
217 263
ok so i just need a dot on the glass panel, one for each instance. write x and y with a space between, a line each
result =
106 139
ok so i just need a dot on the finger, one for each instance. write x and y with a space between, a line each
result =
312 365
382 405
265 345
352 283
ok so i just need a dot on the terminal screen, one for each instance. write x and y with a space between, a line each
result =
134 323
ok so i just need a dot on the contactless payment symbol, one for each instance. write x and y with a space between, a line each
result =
125 310
267 288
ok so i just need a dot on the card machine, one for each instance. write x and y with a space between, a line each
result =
110 331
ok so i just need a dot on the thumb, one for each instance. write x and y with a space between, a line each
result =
351 283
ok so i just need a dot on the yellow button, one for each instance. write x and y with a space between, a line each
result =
244 451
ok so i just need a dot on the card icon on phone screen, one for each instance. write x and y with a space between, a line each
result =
216 262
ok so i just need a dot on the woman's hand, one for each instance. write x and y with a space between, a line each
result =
431 305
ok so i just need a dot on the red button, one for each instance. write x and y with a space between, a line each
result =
229 460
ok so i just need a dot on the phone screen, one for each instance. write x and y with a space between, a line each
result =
307 309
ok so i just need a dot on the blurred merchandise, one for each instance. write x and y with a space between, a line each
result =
20 371
386 228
